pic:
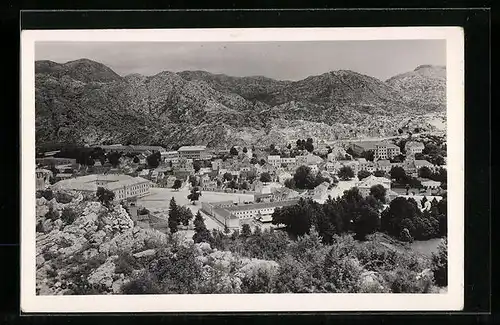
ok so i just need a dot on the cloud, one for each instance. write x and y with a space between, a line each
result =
279 60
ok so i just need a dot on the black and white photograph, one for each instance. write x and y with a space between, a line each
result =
218 170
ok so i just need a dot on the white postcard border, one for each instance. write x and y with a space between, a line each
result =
452 300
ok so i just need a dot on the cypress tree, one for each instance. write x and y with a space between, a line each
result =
173 216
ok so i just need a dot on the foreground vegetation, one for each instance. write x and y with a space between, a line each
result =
89 245
270 262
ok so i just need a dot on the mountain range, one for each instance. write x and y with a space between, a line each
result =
86 102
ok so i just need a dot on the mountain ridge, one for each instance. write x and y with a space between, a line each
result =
86 101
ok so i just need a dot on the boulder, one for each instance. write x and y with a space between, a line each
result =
371 282
146 253
39 260
103 275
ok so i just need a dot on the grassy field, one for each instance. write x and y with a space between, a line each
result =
159 201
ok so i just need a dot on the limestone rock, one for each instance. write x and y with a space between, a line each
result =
103 274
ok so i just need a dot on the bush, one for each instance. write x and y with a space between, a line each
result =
46 194
125 264
51 214
145 284
68 215
39 227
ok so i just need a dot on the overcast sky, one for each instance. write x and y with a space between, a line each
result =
278 60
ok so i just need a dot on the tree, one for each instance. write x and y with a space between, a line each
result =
303 178
177 184
185 215
196 166
245 150
378 192
309 146
300 144
173 216
379 173
368 155
402 213
400 131
105 196
136 160
114 158
194 195
192 180
345 173
262 162
228 176
201 233
425 172
366 221
289 146
398 173
297 218
233 151
272 147
153 160
232 184
68 215
245 230
290 183
244 186
265 177
253 161
362 174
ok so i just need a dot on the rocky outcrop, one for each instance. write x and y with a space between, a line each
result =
86 102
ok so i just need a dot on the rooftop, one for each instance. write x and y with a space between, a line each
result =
383 162
423 163
373 180
414 144
133 181
192 148
264 205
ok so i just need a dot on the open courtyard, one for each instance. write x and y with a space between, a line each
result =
159 201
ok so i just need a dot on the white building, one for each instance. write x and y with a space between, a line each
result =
413 147
170 156
386 151
194 152
216 164
274 160
123 186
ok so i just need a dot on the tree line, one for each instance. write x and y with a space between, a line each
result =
353 213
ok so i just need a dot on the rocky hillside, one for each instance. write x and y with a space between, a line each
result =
86 102
83 247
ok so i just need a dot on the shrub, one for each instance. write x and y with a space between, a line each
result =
68 215
48 255
145 284
63 198
125 264
440 264
39 227
47 194
51 214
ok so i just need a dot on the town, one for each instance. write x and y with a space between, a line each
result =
240 186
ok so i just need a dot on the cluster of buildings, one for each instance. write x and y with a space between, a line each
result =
123 186
233 215
385 150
